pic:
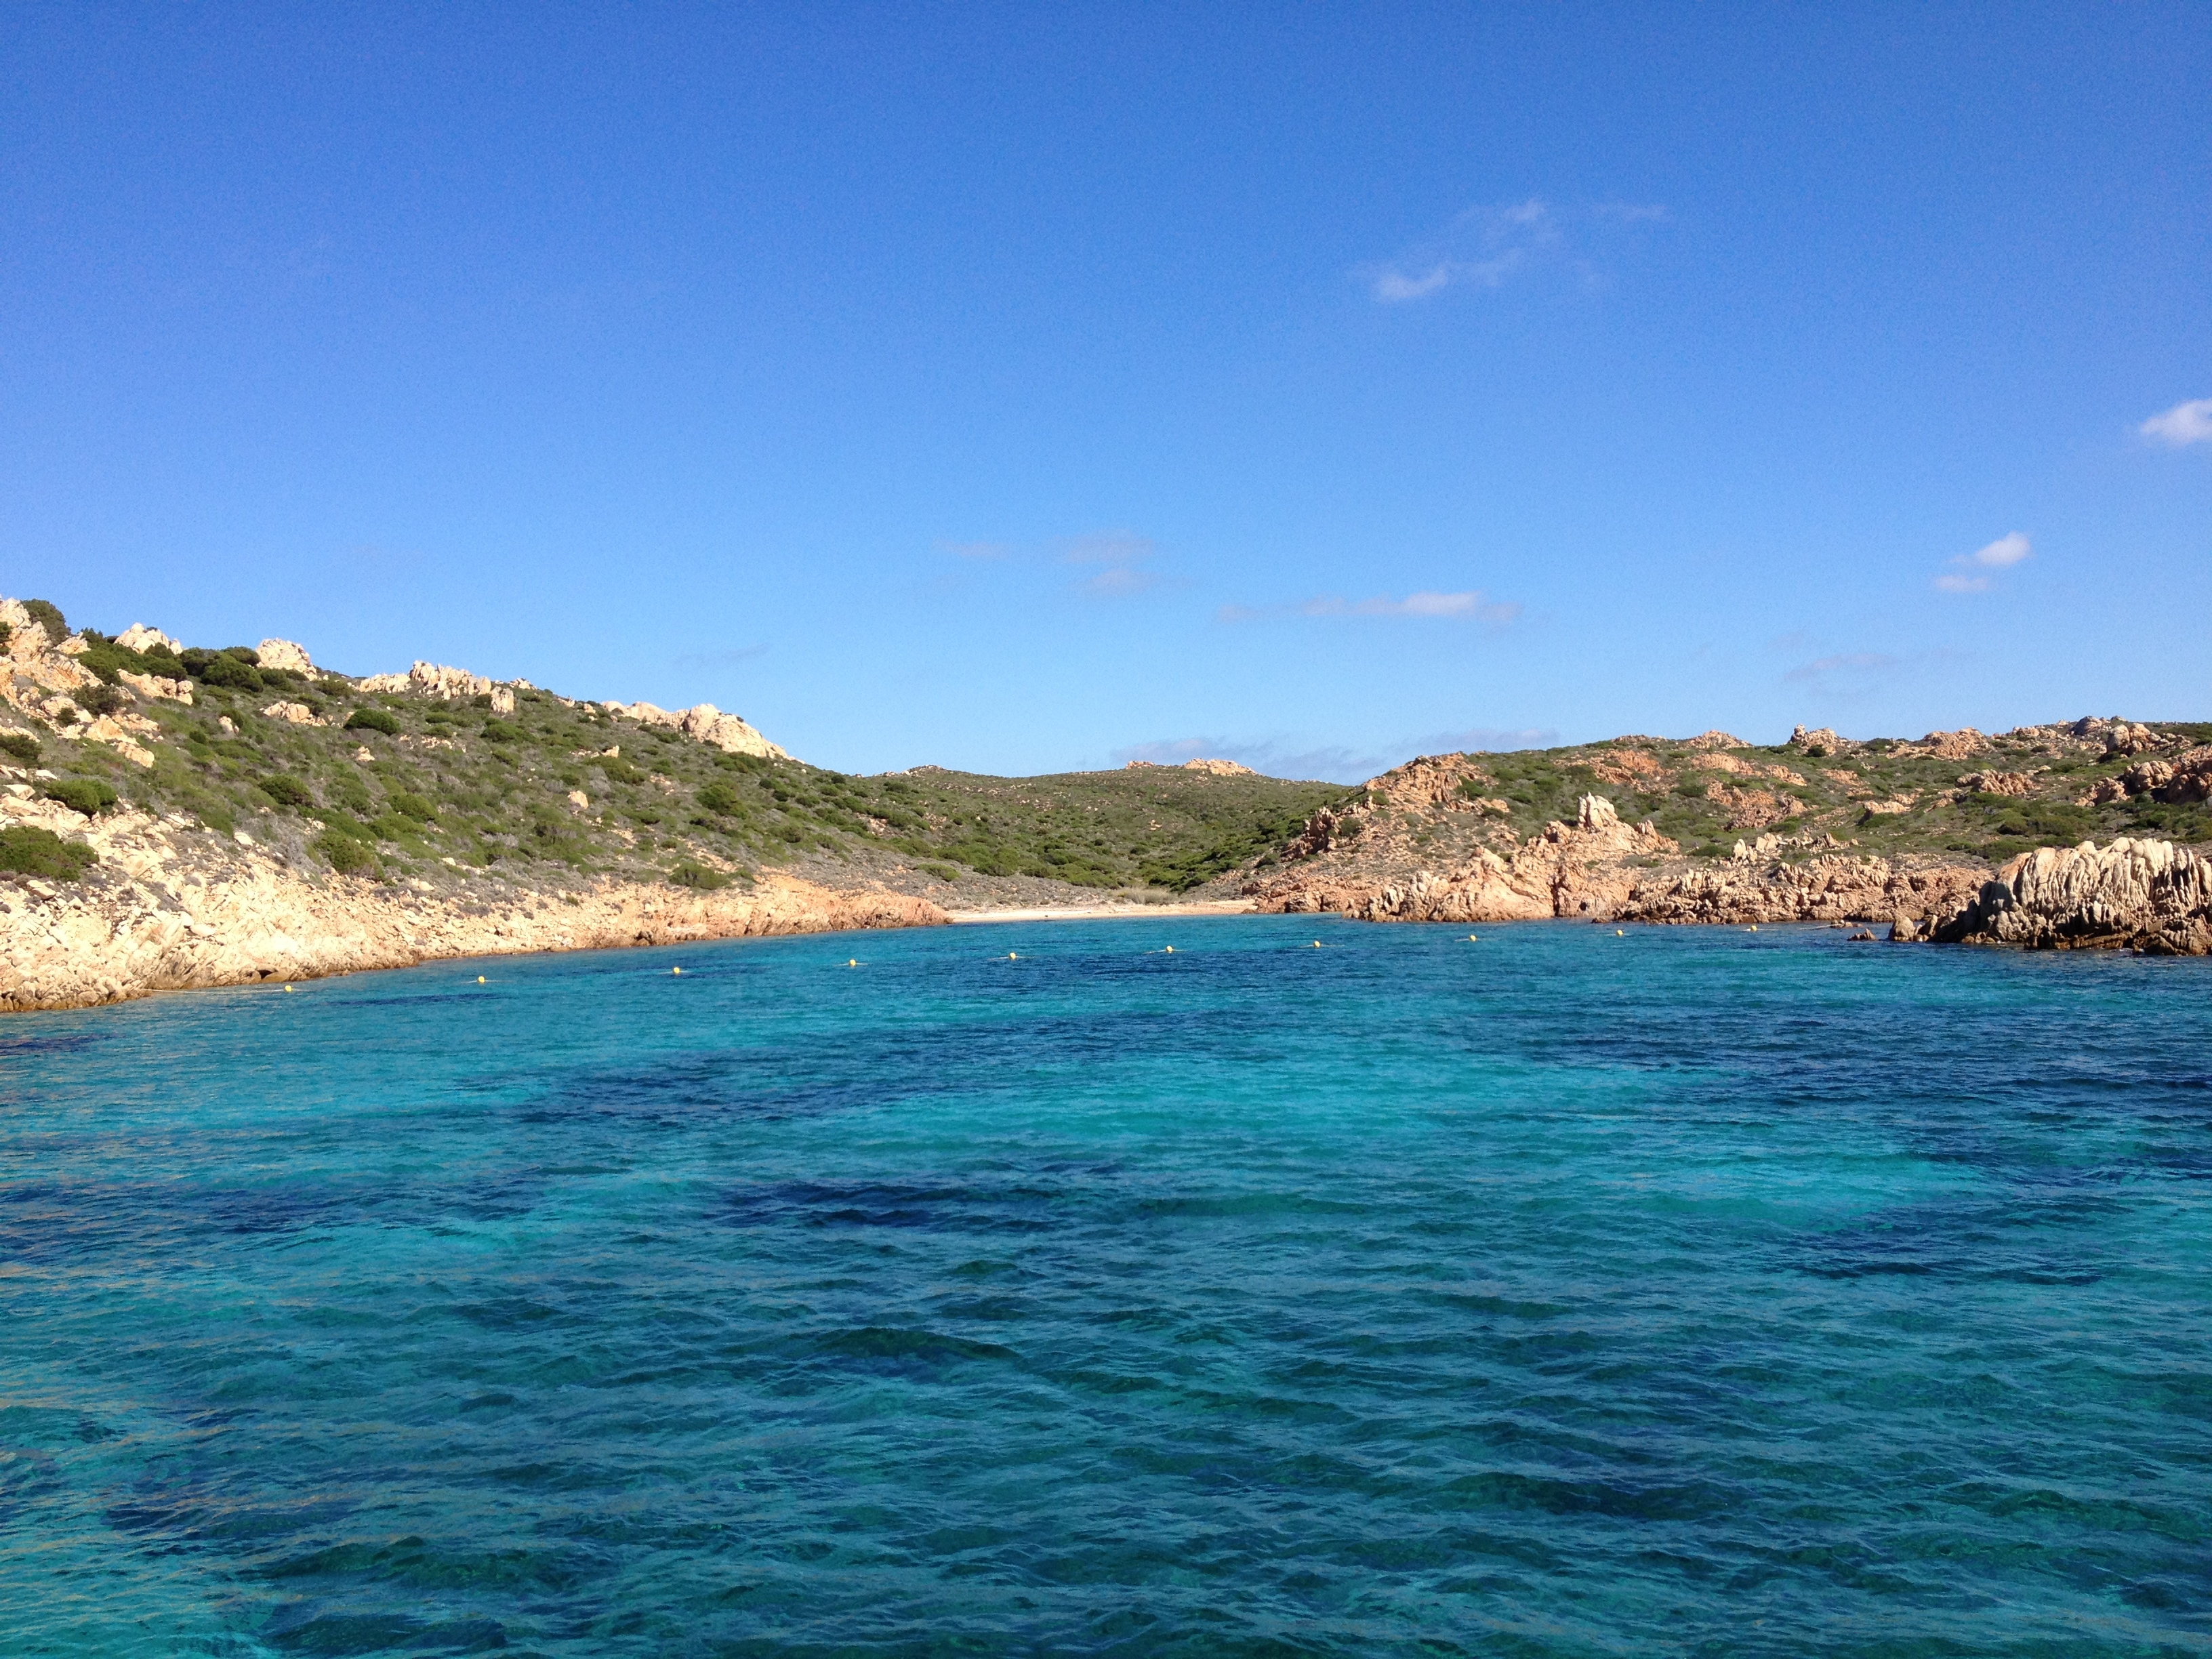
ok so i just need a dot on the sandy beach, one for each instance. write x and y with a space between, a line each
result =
1106 912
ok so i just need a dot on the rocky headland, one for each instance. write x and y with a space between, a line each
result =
1436 840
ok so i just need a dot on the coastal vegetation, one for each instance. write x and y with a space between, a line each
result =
423 784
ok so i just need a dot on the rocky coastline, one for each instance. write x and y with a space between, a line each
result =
170 906
1374 861
175 817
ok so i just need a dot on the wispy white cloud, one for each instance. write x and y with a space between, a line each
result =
1486 246
1125 555
1108 547
2184 423
729 658
1290 757
1848 677
1120 561
1832 672
1972 574
1470 605
1121 581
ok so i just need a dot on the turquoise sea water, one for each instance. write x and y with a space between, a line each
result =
1684 1291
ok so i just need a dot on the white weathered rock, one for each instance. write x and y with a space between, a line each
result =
140 637
294 713
121 731
2148 894
158 685
285 654
502 700
707 723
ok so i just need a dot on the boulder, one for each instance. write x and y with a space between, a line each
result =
1998 783
139 637
727 732
157 685
285 654
2149 894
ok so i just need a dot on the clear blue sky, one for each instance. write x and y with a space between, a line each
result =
1029 388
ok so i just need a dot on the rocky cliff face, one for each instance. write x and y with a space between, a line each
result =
2148 895
171 906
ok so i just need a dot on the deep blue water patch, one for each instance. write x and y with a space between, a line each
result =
1560 1292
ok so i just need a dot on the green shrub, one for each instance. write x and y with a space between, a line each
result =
414 807
500 731
719 798
21 744
28 852
102 700
344 854
391 826
286 790
87 795
7 632
697 876
48 615
371 719
226 671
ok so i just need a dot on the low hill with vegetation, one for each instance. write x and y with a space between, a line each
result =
440 775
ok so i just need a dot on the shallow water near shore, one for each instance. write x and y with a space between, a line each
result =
1690 1290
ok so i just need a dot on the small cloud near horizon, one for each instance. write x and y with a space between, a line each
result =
1331 763
1470 605
728 658
2000 554
1862 663
2184 423
1125 555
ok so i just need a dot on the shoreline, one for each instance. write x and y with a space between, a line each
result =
1125 912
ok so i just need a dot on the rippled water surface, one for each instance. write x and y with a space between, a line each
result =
1681 1292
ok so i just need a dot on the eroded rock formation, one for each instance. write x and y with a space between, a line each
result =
2148 895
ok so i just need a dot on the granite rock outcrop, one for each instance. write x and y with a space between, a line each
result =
2148 895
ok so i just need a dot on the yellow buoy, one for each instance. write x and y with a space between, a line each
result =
1617 933
480 979
1010 957
1316 945
852 961
675 970
288 990
1171 950
1471 939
